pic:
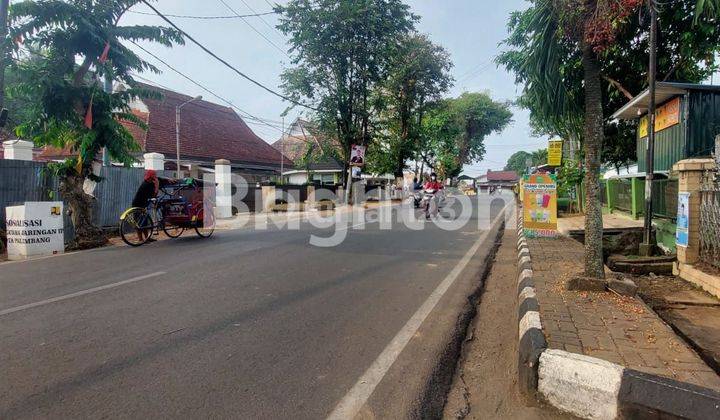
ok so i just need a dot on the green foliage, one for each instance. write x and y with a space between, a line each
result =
418 76
454 131
569 176
59 91
517 161
550 67
342 52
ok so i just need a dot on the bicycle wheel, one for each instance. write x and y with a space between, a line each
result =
136 227
207 224
173 231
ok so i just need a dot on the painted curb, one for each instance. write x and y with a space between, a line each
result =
531 339
589 387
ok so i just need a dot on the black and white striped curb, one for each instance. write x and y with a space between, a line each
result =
530 335
589 387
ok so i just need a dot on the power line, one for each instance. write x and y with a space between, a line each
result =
230 66
255 29
205 17
263 20
198 84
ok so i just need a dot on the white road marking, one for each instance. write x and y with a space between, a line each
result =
353 401
80 293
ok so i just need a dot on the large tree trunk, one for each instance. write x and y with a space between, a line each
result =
81 206
594 266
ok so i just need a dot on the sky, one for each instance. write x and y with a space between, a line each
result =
469 29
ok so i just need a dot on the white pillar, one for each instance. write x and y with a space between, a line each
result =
223 189
155 161
18 150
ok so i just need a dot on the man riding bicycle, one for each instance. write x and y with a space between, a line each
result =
146 192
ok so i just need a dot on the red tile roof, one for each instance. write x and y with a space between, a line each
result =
502 176
208 131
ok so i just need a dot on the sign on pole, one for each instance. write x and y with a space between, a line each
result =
540 206
683 219
555 152
357 155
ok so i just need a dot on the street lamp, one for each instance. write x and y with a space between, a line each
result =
177 130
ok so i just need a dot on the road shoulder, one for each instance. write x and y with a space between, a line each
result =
485 382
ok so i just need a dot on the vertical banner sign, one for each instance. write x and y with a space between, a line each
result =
683 219
357 155
555 152
540 206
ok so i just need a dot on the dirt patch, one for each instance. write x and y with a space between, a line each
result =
485 383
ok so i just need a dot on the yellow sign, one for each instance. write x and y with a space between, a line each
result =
666 116
555 152
540 206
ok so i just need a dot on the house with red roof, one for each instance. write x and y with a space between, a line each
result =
494 179
208 132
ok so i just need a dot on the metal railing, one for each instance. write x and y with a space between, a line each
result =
710 219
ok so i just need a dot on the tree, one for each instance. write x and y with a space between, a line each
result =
342 52
518 162
418 76
568 53
454 131
73 110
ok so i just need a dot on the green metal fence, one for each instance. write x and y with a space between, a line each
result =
664 198
621 194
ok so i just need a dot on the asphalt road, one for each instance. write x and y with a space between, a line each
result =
247 324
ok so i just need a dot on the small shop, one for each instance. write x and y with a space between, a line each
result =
687 121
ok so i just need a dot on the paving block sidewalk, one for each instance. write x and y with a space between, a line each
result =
604 325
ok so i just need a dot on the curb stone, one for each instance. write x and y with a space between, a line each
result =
589 387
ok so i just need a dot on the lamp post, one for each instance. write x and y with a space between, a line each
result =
177 131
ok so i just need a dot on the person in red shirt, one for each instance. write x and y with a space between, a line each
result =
433 184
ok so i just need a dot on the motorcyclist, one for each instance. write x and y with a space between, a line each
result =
433 184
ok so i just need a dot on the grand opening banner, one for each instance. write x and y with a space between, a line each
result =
540 206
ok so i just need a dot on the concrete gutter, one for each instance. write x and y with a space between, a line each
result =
589 387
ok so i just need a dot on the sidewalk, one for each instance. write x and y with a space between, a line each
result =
610 220
622 330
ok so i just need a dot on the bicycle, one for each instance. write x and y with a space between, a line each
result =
138 225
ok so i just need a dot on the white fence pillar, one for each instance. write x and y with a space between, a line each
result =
154 161
18 150
223 189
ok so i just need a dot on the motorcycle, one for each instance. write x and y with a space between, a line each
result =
430 203
417 197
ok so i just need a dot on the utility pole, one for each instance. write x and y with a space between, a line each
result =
647 246
4 7
282 152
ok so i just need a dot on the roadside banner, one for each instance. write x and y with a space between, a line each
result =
683 219
540 205
555 152
357 155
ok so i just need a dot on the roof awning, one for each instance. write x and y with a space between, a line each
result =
639 105
664 91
